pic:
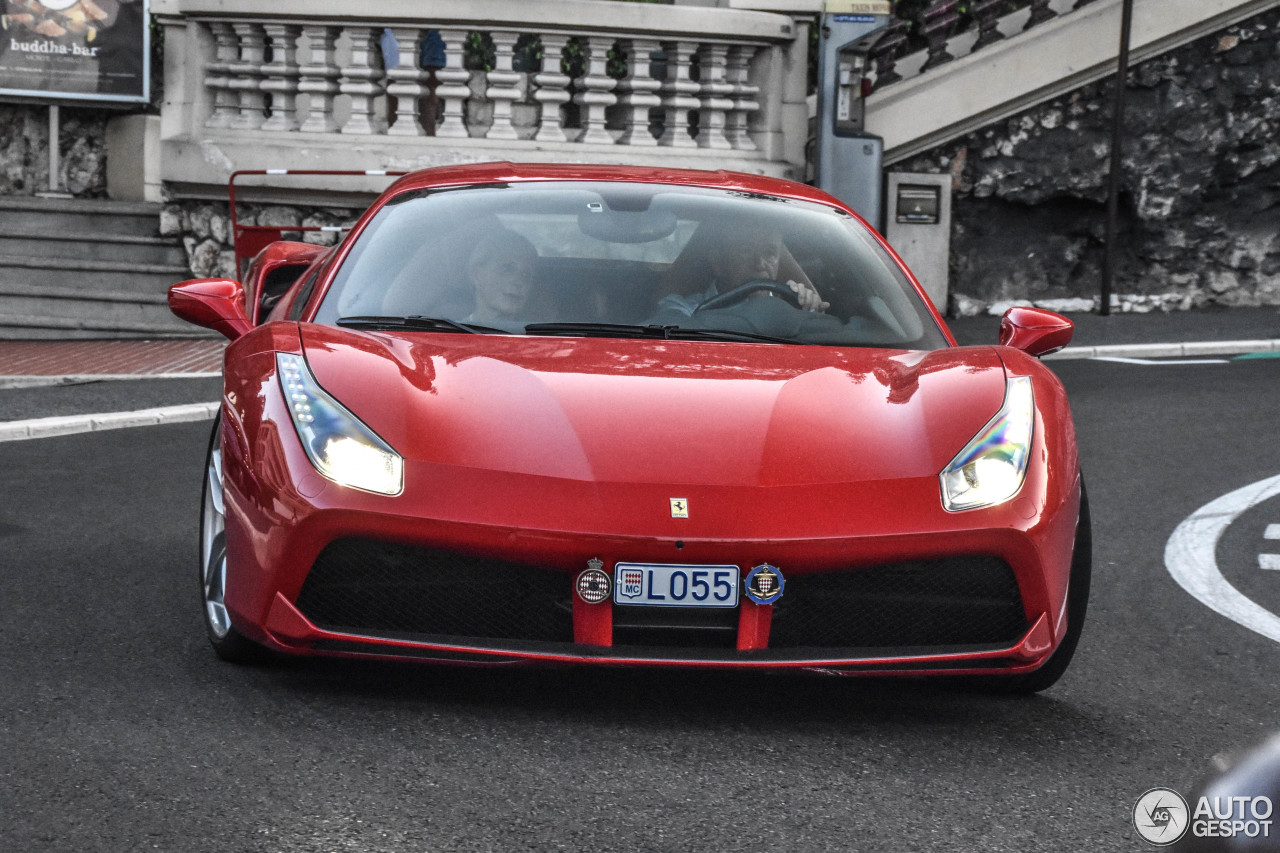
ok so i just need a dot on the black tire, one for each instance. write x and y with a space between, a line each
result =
1077 605
228 643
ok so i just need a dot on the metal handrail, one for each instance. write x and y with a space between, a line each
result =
248 240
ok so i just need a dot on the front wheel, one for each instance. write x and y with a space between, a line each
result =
228 643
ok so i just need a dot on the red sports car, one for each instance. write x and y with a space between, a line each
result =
630 416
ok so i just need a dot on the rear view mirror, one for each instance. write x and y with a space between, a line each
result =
214 303
1035 331
626 226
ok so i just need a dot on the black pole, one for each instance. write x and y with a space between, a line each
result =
1117 144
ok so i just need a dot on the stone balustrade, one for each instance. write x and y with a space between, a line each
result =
939 26
1003 65
394 84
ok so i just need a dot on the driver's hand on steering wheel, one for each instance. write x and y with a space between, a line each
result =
810 300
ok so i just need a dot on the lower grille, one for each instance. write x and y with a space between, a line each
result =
957 601
367 586
362 586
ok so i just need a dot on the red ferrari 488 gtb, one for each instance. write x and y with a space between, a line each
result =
639 417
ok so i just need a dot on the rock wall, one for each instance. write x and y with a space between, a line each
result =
1200 197
24 144
206 232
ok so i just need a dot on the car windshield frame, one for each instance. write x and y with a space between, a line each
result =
605 259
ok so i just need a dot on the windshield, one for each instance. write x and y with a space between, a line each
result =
620 259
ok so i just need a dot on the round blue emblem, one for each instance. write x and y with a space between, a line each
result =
764 584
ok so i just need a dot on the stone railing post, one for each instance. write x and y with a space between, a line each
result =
362 81
453 90
218 75
319 80
638 92
940 20
678 95
280 77
744 97
405 82
988 13
888 48
596 91
246 77
713 102
503 89
552 90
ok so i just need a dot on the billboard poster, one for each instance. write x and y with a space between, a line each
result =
76 50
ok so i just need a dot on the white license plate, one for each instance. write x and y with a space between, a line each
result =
658 585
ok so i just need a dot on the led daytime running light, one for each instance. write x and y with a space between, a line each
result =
992 466
338 444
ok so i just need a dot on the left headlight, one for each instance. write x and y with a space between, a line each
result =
992 466
337 443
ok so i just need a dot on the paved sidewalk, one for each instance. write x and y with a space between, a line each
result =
29 363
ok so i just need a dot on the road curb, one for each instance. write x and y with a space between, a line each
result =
40 381
100 422
1169 350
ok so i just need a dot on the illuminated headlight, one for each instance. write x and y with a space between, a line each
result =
992 466
337 443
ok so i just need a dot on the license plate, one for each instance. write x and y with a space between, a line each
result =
658 585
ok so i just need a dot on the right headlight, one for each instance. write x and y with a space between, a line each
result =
992 466
337 443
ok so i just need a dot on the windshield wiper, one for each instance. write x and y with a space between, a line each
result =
666 333
416 323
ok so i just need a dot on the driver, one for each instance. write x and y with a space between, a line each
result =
738 256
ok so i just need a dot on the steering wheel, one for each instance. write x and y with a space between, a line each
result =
742 291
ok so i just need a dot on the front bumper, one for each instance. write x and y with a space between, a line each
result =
282 520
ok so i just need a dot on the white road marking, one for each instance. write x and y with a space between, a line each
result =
1162 361
73 424
1269 562
1272 532
1190 558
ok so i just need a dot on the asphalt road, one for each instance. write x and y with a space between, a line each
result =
119 731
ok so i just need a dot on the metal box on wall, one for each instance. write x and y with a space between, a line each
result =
918 226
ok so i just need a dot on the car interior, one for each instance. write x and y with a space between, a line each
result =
611 253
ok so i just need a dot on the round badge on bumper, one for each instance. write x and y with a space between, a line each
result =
764 584
593 584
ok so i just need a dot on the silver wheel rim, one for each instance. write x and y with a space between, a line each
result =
213 541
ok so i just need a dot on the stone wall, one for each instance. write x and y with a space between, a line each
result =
206 232
24 143
1200 200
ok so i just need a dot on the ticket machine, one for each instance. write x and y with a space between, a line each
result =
848 159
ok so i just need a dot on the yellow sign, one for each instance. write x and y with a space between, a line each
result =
858 7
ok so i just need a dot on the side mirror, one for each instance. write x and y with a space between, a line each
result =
1035 331
214 303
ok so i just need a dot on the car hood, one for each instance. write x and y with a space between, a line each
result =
671 412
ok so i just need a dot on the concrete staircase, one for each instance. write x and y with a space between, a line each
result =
86 269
